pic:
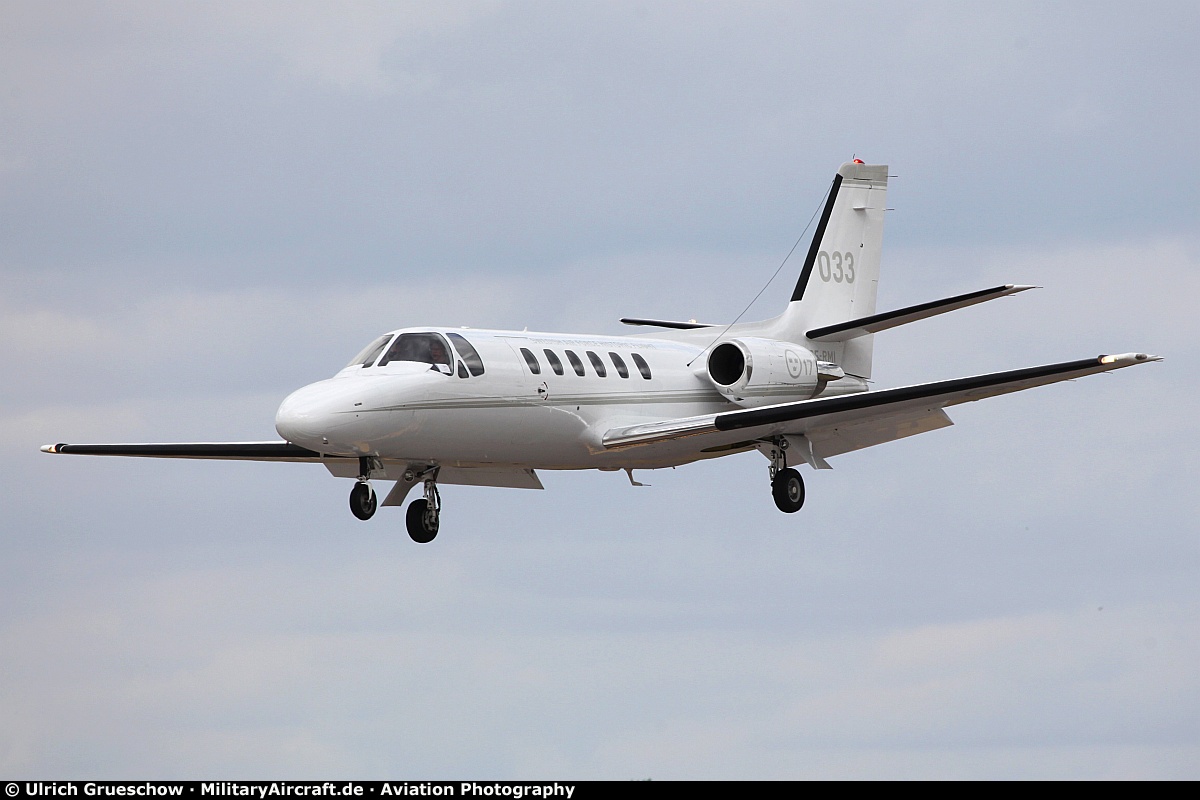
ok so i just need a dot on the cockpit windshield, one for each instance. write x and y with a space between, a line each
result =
424 348
370 352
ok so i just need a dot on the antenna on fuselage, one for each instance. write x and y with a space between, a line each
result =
771 280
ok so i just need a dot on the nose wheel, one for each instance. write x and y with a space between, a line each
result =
363 501
424 515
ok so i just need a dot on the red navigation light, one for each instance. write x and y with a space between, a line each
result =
858 161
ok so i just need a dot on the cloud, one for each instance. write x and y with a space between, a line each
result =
341 45
415 677
205 207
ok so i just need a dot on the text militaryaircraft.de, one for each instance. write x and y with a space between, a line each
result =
423 406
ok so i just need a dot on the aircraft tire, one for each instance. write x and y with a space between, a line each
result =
788 490
363 501
421 528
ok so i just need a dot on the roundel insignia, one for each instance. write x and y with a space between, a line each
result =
793 363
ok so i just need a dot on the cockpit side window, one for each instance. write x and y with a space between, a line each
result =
423 348
370 352
469 354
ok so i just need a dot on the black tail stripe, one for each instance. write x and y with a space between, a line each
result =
816 240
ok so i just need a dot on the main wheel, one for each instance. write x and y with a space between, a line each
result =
788 490
422 522
362 501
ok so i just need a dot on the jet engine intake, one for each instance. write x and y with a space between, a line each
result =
755 372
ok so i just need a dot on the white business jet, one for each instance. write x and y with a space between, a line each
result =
429 406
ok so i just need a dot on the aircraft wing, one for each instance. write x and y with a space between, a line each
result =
843 423
222 451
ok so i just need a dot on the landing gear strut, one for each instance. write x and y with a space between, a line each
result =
424 515
362 497
787 487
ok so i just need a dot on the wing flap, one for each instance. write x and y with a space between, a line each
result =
833 440
513 478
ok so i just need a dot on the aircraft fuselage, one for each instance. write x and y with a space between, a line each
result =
510 415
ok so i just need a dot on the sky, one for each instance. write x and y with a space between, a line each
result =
204 206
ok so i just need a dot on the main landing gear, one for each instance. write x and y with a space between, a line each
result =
787 487
424 516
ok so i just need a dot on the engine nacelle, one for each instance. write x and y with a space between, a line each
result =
758 372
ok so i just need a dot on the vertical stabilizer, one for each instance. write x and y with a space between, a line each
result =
841 273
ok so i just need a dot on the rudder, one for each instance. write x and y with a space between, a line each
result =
840 276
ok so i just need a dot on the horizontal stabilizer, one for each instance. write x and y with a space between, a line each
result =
666 323
875 323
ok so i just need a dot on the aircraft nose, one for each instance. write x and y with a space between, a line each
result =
306 417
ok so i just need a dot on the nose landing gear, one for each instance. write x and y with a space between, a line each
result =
362 497
362 500
424 516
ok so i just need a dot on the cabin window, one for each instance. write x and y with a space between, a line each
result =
555 363
468 353
370 352
532 361
576 364
622 370
642 366
597 364
423 348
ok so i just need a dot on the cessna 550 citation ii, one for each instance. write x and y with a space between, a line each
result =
423 406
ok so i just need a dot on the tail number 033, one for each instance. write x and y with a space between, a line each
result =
835 266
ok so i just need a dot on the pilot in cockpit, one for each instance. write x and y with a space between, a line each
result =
437 353
423 348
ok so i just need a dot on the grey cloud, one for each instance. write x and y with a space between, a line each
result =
547 131
201 209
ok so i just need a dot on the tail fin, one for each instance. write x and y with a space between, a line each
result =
841 272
